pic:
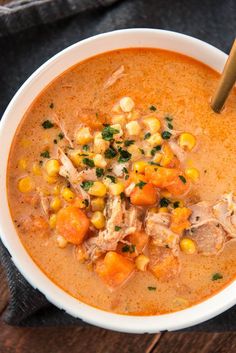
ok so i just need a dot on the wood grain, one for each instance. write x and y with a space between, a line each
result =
196 342
3 290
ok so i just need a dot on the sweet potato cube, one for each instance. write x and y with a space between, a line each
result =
114 269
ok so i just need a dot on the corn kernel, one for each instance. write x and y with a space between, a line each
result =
163 210
52 167
166 194
55 204
152 124
50 179
98 220
192 173
118 119
83 136
61 241
107 181
135 152
99 161
126 104
22 164
76 158
116 188
100 145
187 141
139 166
155 139
67 194
141 262
98 189
56 190
80 203
98 204
187 246
157 158
133 128
116 108
25 185
36 169
53 221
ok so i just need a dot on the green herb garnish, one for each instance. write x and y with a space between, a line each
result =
86 202
45 154
110 153
128 248
176 204
125 170
152 288
155 149
170 126
141 150
164 202
154 163
117 228
89 162
86 185
99 172
216 276
147 135
153 108
85 147
124 155
61 135
128 143
182 178
47 124
168 118
166 135
108 132
112 178
140 184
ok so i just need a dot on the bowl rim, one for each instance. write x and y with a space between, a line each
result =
196 314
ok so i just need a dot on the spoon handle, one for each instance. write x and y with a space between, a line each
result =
226 83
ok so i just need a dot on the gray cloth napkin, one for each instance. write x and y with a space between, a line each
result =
26 42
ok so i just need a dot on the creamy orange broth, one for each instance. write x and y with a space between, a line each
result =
178 86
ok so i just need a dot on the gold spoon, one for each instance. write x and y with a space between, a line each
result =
227 81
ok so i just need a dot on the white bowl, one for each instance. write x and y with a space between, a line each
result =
26 94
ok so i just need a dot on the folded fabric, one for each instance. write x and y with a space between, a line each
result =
23 51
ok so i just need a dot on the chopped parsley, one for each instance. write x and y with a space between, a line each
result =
154 163
168 118
128 248
141 150
110 153
128 143
152 288
153 108
125 170
89 162
216 276
108 132
86 202
47 124
86 185
176 204
170 126
147 135
155 149
85 147
166 135
45 154
140 184
124 155
99 172
51 106
117 228
61 135
182 178
164 202
112 178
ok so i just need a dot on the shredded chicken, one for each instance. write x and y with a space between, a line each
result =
60 123
88 174
45 203
116 75
116 214
157 226
225 212
68 171
118 169
177 150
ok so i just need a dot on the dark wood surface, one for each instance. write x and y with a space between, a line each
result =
94 340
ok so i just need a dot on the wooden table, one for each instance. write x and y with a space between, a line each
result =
72 339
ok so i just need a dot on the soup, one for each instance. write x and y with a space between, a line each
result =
121 182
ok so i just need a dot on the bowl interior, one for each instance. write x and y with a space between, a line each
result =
12 117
